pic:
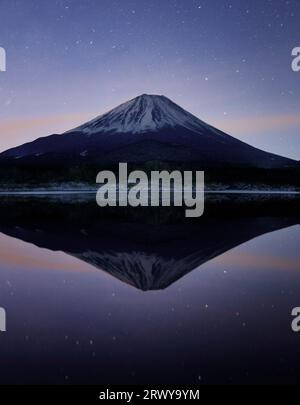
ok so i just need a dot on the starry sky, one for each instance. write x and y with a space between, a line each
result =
228 62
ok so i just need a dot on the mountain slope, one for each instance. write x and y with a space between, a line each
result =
144 129
146 113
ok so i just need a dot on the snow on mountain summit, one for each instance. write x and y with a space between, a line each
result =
145 129
145 113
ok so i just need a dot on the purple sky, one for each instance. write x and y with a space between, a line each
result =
228 62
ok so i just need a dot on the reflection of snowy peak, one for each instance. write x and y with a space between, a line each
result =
142 114
149 256
146 271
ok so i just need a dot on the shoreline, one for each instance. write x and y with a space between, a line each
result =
94 191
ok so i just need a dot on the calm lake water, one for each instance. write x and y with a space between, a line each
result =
108 296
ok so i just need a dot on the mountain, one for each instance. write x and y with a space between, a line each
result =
149 127
146 130
146 113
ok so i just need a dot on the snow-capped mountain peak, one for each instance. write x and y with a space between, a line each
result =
145 129
145 113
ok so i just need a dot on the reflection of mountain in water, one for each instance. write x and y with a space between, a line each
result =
149 255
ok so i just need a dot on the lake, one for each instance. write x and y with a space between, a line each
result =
140 296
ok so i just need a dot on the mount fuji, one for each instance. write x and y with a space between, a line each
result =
146 129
